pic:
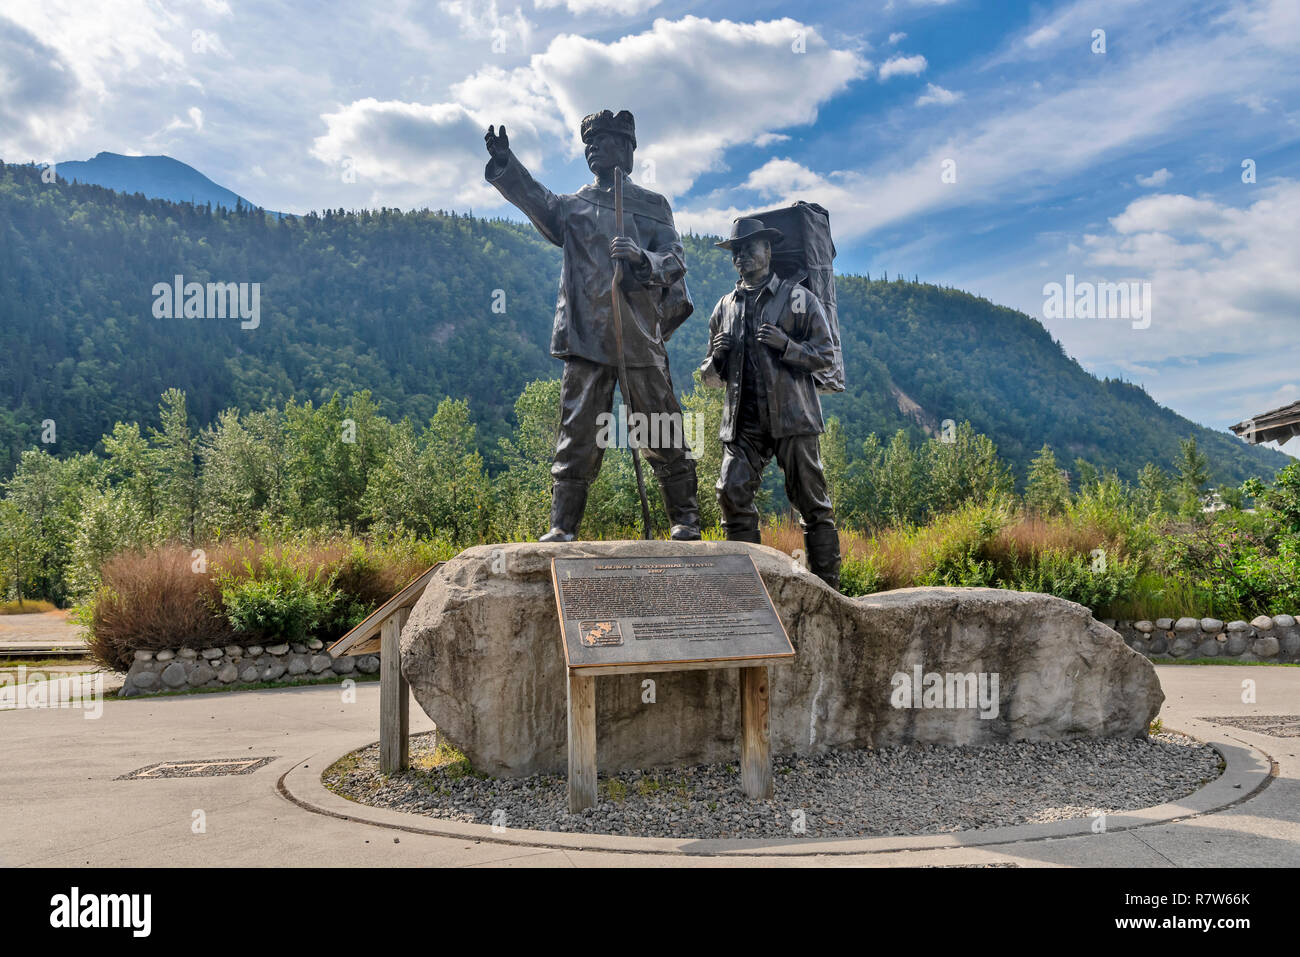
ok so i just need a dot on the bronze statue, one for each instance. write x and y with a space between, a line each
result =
769 337
655 302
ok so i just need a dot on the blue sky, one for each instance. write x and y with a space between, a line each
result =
1120 163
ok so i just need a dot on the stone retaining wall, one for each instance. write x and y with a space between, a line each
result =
175 669
1264 639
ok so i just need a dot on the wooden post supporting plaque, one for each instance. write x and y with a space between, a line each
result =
381 631
394 698
582 741
639 615
755 737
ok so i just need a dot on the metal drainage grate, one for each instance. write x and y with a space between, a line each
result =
1277 725
197 769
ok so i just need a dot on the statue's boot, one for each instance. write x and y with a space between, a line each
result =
823 547
682 505
568 501
744 535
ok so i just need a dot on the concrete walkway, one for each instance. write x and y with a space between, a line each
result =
62 802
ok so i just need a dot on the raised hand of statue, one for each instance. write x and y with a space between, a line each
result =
772 337
498 144
620 247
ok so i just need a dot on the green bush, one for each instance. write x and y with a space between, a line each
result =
1075 578
286 603
858 576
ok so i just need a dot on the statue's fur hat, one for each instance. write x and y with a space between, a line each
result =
607 122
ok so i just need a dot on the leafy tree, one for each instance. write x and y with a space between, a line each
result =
1281 498
19 544
48 492
902 481
243 467
110 522
133 468
963 470
176 455
524 487
330 452
459 494
835 464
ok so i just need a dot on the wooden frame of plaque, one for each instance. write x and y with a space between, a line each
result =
727 620
725 623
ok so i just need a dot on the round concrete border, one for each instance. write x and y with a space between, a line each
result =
1247 771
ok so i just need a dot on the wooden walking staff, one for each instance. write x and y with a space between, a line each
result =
616 295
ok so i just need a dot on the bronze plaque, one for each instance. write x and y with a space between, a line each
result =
665 611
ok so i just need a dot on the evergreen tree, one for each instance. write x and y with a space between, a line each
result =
1046 491
1085 473
1155 491
1193 477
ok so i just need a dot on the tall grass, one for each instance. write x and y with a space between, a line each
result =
26 607
168 598
1084 555
152 600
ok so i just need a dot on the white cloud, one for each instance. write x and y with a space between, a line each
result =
38 95
902 66
1011 150
896 38
106 41
83 51
1168 213
414 151
1041 36
483 20
518 98
626 8
1223 277
1257 103
719 67
1158 178
403 151
937 94
193 121
780 177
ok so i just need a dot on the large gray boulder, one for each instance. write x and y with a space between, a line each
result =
482 652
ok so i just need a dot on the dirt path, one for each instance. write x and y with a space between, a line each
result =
51 629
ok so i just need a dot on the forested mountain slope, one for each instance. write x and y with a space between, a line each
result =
421 305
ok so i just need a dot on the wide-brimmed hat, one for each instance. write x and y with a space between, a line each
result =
743 229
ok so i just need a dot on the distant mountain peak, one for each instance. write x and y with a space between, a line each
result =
157 177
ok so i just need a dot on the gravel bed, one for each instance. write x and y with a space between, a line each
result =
860 793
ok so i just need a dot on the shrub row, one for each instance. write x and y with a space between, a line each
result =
247 590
